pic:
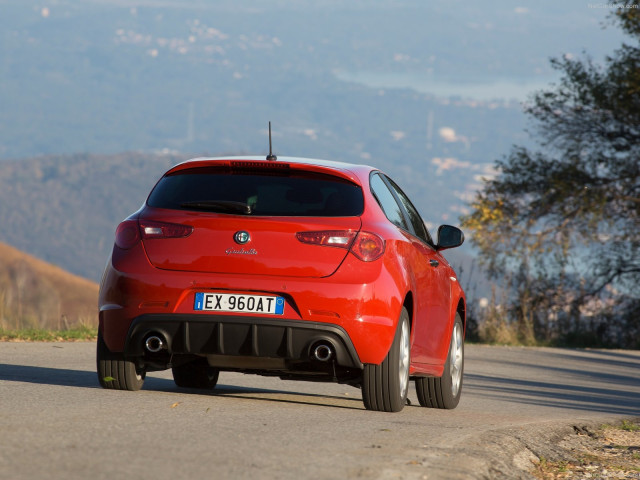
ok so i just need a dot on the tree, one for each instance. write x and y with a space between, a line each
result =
559 225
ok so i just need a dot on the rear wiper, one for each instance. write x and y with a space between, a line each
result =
223 206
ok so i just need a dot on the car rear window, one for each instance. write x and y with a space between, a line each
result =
265 193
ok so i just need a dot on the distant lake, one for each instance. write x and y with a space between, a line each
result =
489 89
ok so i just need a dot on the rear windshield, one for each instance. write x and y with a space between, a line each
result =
254 192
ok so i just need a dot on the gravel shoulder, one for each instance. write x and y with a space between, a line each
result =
603 452
549 451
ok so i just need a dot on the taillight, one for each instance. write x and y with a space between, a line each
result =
164 230
328 238
364 245
368 247
130 232
127 234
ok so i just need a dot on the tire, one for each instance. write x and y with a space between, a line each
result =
385 386
115 371
195 374
444 392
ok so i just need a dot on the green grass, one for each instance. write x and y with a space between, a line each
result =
626 425
80 333
629 426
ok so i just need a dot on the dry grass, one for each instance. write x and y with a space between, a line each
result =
35 294
612 452
77 334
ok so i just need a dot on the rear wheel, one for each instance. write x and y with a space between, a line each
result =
384 386
444 392
195 374
115 371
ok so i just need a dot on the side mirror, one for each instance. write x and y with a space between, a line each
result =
449 237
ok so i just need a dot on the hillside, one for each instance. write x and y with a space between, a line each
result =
37 294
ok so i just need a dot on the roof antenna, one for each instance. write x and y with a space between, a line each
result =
271 156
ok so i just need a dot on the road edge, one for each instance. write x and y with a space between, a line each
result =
513 453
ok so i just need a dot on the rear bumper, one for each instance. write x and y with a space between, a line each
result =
255 337
357 307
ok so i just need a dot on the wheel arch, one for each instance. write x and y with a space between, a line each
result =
408 304
461 309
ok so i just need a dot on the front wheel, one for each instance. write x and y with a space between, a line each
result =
384 386
444 392
115 371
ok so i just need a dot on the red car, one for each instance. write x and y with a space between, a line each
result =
302 269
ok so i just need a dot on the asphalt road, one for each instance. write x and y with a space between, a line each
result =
57 423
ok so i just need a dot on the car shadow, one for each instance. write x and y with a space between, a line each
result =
87 379
259 394
607 393
48 376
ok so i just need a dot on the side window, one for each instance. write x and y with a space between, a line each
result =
387 201
414 217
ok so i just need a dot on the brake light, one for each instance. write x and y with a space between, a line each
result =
365 246
328 238
130 232
368 247
127 234
164 230
268 165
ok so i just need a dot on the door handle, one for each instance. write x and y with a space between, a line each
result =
434 263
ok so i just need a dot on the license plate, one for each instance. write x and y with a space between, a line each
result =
231 302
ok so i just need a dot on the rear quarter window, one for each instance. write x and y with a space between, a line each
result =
268 193
387 202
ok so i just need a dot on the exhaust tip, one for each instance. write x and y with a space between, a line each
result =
323 352
154 344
